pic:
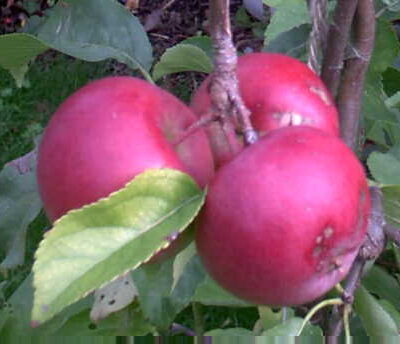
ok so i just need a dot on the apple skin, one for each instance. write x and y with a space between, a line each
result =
108 132
279 91
283 221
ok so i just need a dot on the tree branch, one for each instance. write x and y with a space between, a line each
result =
351 284
317 41
224 88
338 37
372 247
351 88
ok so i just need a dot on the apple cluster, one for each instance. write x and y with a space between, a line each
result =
284 218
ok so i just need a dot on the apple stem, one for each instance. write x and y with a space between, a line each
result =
350 91
351 283
372 247
316 44
337 40
318 307
224 87
199 124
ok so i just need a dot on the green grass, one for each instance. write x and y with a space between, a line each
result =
220 317
25 111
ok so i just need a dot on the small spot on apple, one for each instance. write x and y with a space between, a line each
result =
328 232
320 266
319 239
290 118
297 119
317 251
336 264
286 119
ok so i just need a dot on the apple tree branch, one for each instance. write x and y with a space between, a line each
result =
372 247
316 45
337 40
351 87
224 88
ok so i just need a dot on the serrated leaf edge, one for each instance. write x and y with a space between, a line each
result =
107 198
163 245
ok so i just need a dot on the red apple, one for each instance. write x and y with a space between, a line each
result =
109 131
284 220
279 91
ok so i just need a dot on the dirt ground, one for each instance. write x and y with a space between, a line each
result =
167 22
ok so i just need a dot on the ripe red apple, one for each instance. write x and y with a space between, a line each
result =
109 131
284 219
279 91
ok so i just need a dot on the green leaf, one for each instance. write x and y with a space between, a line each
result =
19 205
387 47
391 203
289 330
393 5
242 19
202 42
392 311
17 338
238 331
288 15
357 330
95 30
154 283
128 322
182 58
5 315
376 320
210 293
188 273
270 318
393 101
17 50
90 246
396 251
181 263
21 303
391 81
292 42
167 288
379 282
381 123
72 321
384 167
